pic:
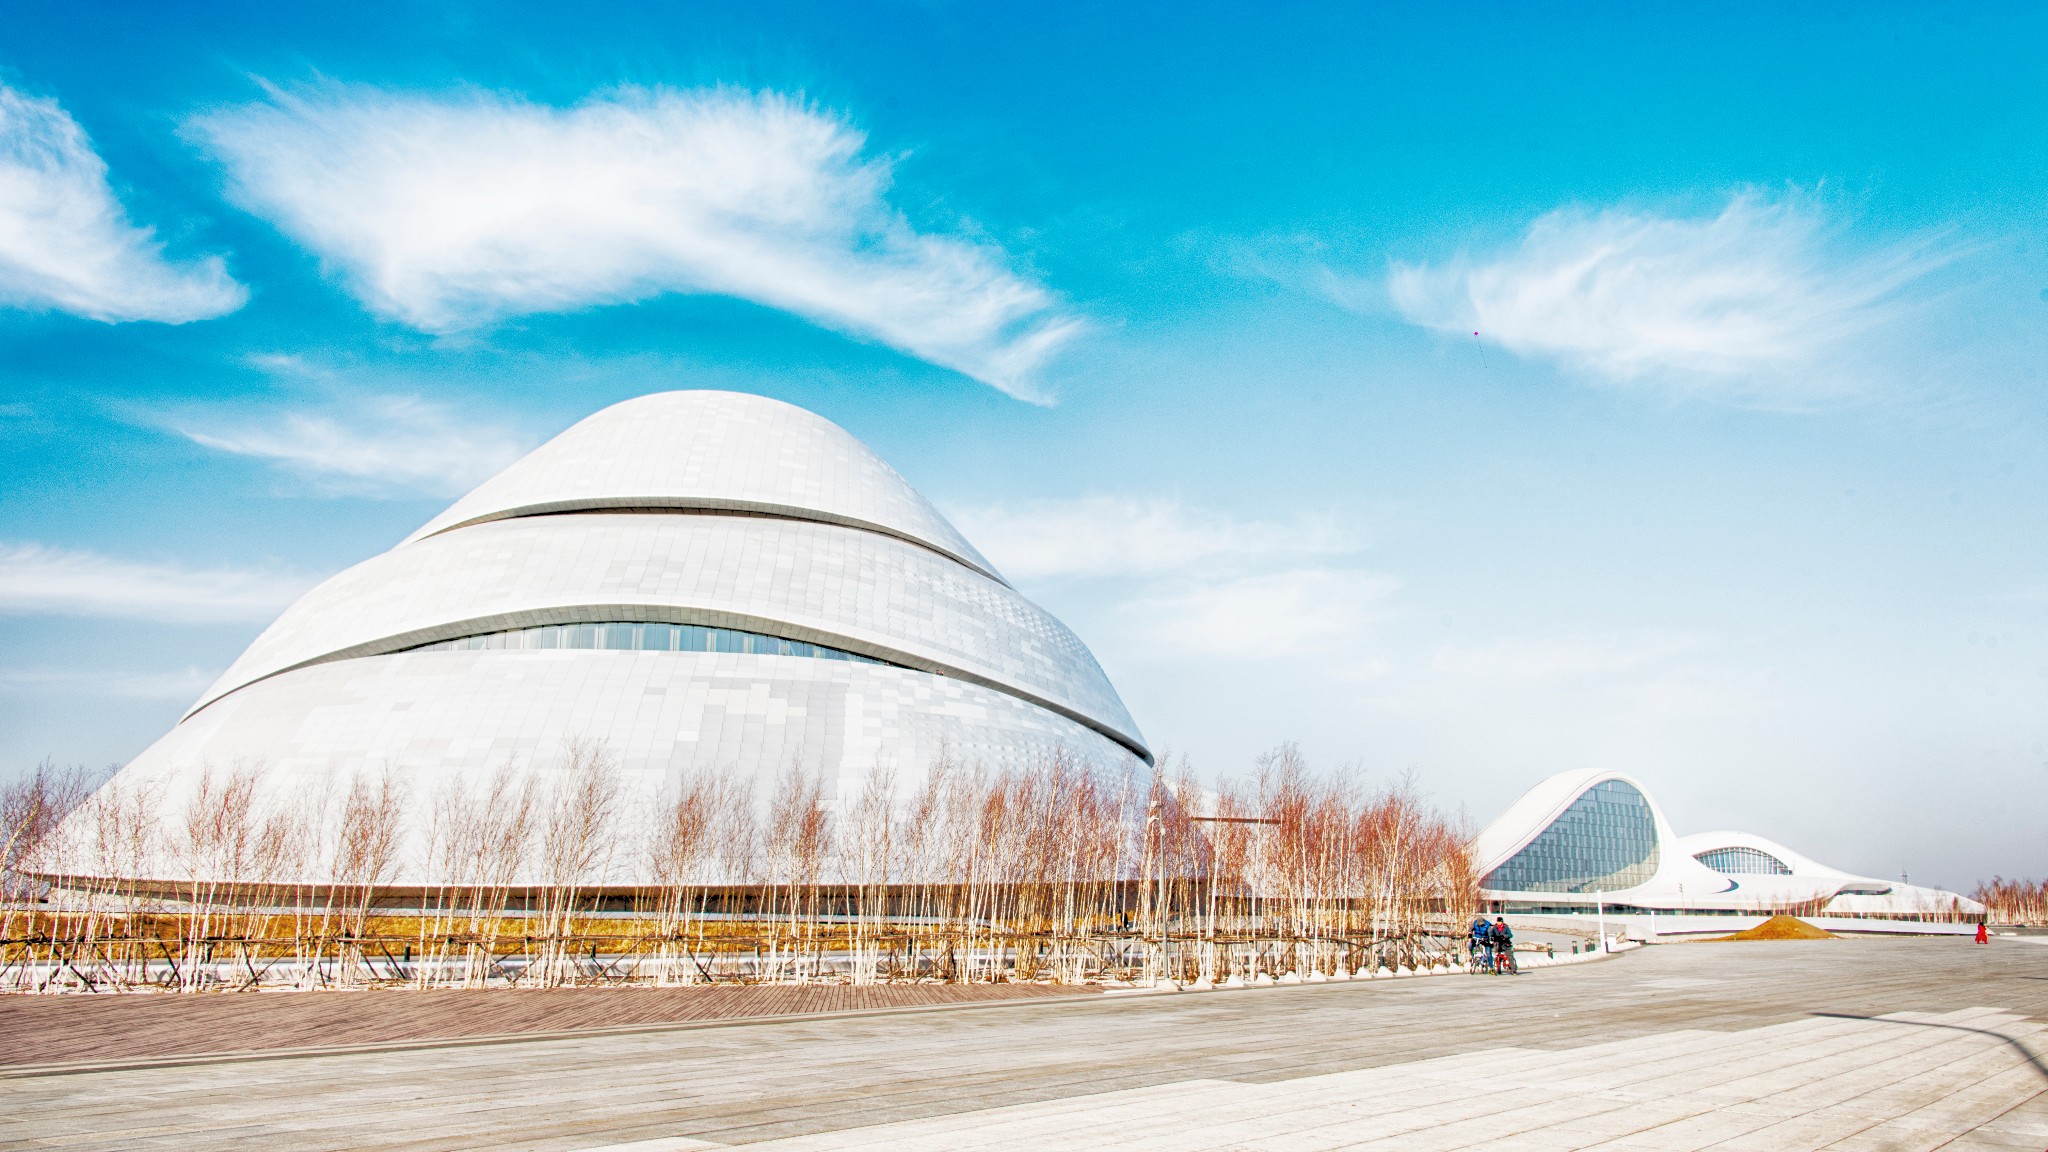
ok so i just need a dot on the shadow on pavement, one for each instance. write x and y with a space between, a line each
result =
2033 1058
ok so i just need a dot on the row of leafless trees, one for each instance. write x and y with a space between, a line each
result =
1061 871
2014 901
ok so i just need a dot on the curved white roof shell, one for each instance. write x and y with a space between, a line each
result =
1530 814
1806 878
846 588
1799 863
1679 881
440 715
841 625
712 451
1541 807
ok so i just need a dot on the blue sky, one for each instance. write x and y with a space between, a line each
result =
1738 486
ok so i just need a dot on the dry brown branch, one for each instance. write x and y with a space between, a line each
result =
2015 902
1053 870
577 842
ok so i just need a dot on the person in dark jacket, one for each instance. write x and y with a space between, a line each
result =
1482 943
1502 938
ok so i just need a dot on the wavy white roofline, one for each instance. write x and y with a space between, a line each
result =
1535 810
686 504
1540 806
1800 863
1681 881
717 451
1852 893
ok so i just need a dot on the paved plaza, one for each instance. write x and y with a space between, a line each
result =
1854 1044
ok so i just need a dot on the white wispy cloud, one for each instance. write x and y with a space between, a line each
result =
1249 618
1762 301
65 241
1130 536
376 446
36 579
179 684
1181 580
447 212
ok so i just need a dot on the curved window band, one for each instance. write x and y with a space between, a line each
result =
1743 862
649 636
641 637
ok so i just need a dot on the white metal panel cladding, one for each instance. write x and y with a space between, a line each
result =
762 523
438 718
714 450
868 593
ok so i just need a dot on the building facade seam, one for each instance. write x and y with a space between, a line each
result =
834 580
683 505
680 614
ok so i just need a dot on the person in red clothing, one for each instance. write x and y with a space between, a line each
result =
1983 935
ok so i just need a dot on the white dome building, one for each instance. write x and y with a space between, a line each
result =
695 579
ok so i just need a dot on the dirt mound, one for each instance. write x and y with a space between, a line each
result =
1782 927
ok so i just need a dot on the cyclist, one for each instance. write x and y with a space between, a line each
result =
1502 938
1482 944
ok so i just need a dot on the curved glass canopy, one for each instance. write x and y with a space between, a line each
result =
1605 841
1743 862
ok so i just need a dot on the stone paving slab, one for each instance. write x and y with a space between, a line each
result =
37 1030
1854 1044
1953 1081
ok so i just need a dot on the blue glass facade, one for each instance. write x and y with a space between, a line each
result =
1743 862
636 637
1605 841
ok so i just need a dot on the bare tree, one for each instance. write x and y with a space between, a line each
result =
577 842
799 842
1049 869
681 847
366 855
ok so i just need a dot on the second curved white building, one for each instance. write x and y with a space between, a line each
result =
1595 842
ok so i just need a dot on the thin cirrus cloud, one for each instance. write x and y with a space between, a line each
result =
1296 612
40 580
454 211
1184 580
1762 301
67 245
379 446
1099 536
180 684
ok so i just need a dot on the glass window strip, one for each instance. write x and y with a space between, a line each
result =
1743 862
642 637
